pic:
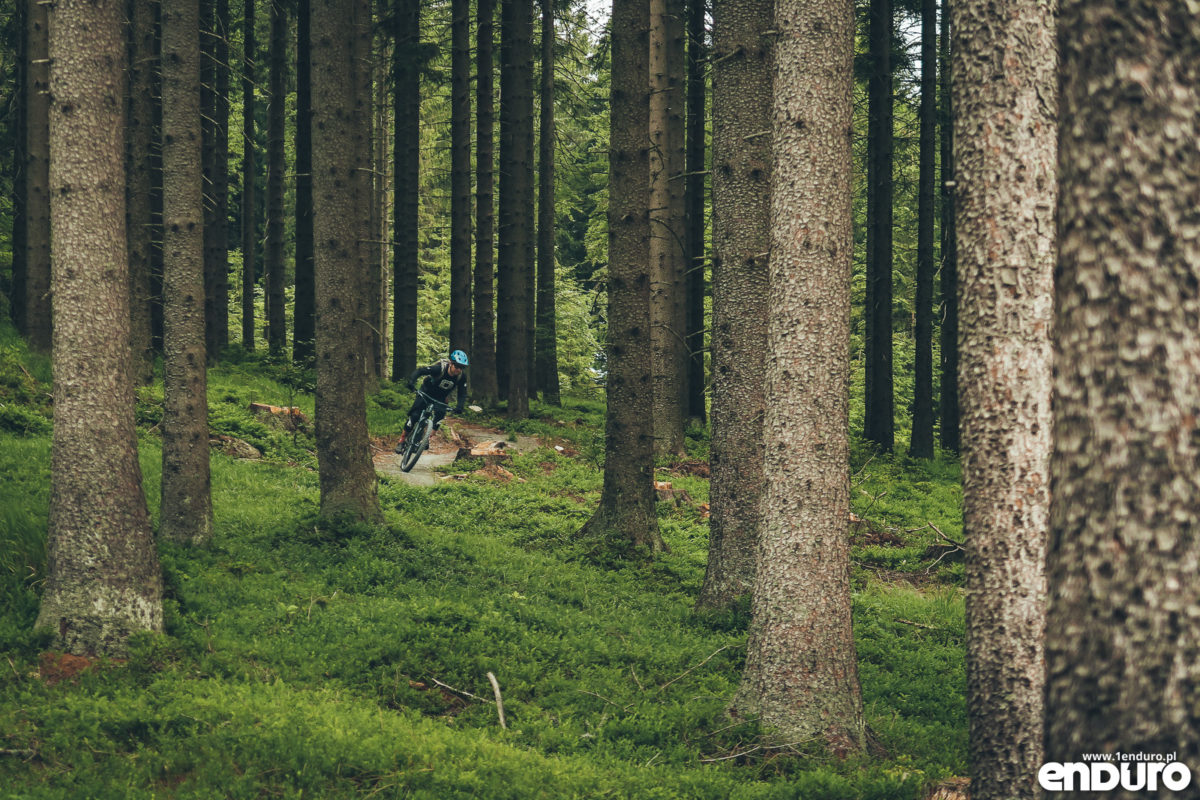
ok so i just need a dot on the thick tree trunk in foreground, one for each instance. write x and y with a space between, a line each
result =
407 153
921 443
19 106
483 344
626 517
274 266
880 400
460 175
1122 646
102 581
220 240
546 329
215 123
303 321
667 327
367 294
140 140
249 214
801 673
741 239
186 514
343 450
694 256
949 255
1006 194
36 306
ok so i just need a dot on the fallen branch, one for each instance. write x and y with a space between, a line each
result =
755 749
602 697
499 702
697 666
918 624
457 691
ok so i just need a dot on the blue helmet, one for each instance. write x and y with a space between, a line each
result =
459 357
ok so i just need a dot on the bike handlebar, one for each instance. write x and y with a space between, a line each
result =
433 402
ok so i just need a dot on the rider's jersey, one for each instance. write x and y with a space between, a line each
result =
439 383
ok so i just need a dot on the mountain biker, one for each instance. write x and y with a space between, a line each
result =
441 378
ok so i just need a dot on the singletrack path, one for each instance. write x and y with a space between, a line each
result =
441 451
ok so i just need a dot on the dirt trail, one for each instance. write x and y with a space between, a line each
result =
442 450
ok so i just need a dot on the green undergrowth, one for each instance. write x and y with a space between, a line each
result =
309 659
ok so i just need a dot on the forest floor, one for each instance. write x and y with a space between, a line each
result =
307 659
443 449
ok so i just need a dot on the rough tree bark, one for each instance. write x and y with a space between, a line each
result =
303 321
249 214
220 242
276 108
139 133
694 262
801 674
949 254
186 513
1122 646
460 175
407 154
37 306
483 350
546 328
1005 130
667 328
921 442
103 581
741 238
347 475
880 401
367 298
20 103
214 104
625 519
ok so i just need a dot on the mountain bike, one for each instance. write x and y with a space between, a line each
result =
422 430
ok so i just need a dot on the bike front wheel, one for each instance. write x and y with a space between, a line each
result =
416 446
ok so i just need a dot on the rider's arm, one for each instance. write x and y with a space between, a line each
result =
461 391
412 381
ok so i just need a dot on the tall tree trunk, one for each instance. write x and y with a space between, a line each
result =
139 132
880 412
37 305
1122 651
343 450
157 234
483 353
186 514
303 321
460 175
368 281
949 254
504 215
208 167
516 199
220 237
546 329
694 256
921 444
103 581
1006 194
741 240
666 232
625 518
275 275
17 291
381 230
801 672
407 179
249 213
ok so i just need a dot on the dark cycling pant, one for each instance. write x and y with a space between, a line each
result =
419 405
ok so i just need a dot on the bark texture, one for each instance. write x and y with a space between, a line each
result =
483 332
249 214
273 263
695 261
186 513
304 319
103 581
37 306
879 423
626 517
801 674
367 284
949 255
460 175
741 239
347 475
667 322
546 329
404 206
214 101
1123 647
19 105
139 140
921 442
1005 217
